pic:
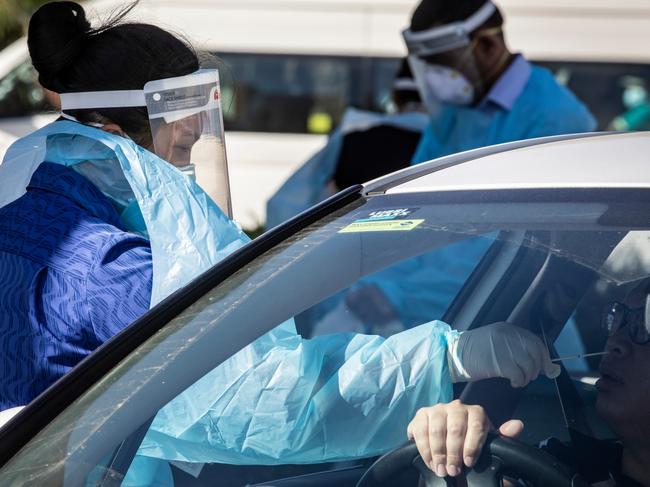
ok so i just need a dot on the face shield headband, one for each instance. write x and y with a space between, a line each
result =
186 125
446 37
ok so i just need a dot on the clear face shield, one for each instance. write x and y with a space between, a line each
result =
441 84
186 125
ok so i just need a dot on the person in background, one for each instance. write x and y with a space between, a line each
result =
637 106
365 146
388 145
477 93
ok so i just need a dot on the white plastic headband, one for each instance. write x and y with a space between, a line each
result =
132 98
118 99
102 99
447 37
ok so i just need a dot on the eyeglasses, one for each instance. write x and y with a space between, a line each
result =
617 315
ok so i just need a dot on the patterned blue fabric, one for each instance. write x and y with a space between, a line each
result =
70 278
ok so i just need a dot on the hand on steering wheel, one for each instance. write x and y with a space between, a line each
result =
500 458
450 435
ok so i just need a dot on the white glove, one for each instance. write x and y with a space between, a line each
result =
499 350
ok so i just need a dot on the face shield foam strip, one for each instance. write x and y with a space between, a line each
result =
447 37
121 99
102 99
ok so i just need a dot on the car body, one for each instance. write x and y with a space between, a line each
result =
287 82
567 225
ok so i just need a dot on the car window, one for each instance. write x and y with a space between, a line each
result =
616 93
544 414
300 93
391 300
261 92
173 398
20 94
287 93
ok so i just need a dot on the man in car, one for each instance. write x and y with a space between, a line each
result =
450 436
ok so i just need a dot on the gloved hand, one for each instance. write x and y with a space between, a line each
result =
499 350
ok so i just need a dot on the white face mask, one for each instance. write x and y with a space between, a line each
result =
633 96
448 85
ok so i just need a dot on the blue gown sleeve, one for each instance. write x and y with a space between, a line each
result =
118 288
287 400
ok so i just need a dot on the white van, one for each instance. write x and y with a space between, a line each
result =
294 66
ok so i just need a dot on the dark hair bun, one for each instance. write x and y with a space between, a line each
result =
57 34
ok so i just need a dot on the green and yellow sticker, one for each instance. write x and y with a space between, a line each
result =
381 226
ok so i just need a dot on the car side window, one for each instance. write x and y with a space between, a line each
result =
616 93
229 381
20 93
422 287
291 93
406 294
540 407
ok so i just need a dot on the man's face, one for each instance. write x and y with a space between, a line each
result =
624 386
479 62
462 60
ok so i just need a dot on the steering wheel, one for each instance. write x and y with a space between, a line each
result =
500 456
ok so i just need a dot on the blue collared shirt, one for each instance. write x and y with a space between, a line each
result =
70 278
509 86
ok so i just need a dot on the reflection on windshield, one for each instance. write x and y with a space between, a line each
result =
234 413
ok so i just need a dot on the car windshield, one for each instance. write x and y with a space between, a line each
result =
186 399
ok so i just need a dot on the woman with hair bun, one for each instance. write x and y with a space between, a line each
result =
77 253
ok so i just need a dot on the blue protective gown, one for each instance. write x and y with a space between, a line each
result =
543 108
282 399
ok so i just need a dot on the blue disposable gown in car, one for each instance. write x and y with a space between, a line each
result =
286 400
282 399
425 286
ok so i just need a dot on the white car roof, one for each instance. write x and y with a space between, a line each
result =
610 160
